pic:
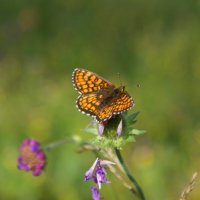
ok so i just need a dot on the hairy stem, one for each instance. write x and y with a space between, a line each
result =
56 144
140 194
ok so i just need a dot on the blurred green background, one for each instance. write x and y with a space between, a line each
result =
152 43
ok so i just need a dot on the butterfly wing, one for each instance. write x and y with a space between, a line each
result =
118 104
87 82
90 104
122 102
105 113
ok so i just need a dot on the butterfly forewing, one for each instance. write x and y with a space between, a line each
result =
86 82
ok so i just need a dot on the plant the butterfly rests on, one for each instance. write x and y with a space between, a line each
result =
105 103
98 97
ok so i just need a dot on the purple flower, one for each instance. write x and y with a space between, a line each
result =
31 158
100 128
97 172
95 193
119 129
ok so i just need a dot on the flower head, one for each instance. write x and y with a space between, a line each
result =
31 158
101 128
95 193
97 172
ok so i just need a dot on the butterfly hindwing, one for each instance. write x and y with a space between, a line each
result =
123 102
105 113
88 103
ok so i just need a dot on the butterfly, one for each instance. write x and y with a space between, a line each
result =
98 97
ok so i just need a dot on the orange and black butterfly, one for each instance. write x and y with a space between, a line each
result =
98 97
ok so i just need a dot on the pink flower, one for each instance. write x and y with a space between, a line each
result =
31 158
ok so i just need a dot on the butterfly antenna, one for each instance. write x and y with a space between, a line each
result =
119 77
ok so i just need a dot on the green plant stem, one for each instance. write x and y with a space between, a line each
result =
56 144
130 176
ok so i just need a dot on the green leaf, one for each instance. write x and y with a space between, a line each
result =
131 118
91 130
136 132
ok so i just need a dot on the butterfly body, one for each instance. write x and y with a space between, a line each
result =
98 97
108 96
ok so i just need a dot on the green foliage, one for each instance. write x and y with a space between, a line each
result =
110 138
